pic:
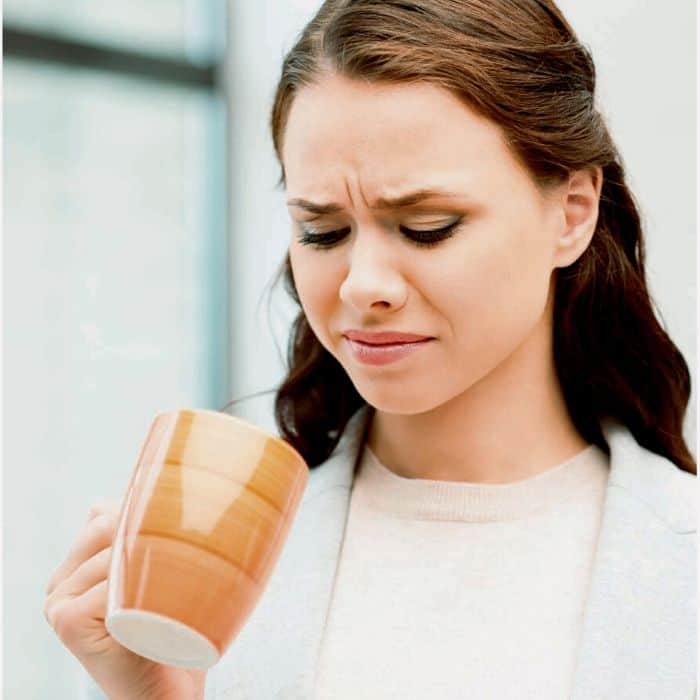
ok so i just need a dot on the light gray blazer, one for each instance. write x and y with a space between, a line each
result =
639 629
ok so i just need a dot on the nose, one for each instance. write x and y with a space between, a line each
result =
373 280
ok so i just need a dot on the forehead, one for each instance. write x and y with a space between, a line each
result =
386 132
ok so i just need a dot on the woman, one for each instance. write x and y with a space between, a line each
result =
457 559
499 503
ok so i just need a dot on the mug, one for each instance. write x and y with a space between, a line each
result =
205 517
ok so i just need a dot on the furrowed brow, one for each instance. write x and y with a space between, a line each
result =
406 200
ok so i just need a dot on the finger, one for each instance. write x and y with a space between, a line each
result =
76 619
96 535
88 573
110 507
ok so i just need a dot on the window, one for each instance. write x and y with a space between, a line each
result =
116 277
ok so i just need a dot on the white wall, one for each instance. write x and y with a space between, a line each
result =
645 57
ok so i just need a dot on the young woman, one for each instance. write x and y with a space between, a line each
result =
500 498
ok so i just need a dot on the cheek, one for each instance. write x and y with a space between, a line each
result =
316 288
495 289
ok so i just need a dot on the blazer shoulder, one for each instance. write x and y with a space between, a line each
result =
651 479
667 490
682 485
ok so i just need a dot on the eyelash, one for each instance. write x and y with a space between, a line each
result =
424 239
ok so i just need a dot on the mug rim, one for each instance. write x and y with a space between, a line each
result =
250 426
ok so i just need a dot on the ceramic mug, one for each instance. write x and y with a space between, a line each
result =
204 519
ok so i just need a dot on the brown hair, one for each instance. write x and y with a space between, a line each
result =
520 65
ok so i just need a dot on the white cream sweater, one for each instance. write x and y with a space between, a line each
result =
457 590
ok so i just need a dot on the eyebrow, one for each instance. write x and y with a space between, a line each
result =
405 200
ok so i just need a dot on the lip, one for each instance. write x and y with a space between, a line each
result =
384 338
383 354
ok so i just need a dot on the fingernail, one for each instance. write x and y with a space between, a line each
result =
105 518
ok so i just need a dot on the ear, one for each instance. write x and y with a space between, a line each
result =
579 204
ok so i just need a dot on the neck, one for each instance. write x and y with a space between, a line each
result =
510 425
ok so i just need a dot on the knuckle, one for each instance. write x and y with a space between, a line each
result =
62 619
53 612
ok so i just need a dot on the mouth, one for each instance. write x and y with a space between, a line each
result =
382 345
384 337
384 353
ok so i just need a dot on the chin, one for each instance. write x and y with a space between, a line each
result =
398 400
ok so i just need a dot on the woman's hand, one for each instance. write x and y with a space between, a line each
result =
76 605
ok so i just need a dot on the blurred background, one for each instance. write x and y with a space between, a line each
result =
143 228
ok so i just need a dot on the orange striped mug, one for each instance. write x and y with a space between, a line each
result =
204 519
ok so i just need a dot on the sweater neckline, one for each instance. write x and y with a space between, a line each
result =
430 499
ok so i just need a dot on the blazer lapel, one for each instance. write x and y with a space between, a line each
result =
638 635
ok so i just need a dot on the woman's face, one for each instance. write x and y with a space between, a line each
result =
479 291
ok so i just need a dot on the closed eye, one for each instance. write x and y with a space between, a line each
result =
425 238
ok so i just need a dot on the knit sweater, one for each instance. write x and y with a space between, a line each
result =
458 590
